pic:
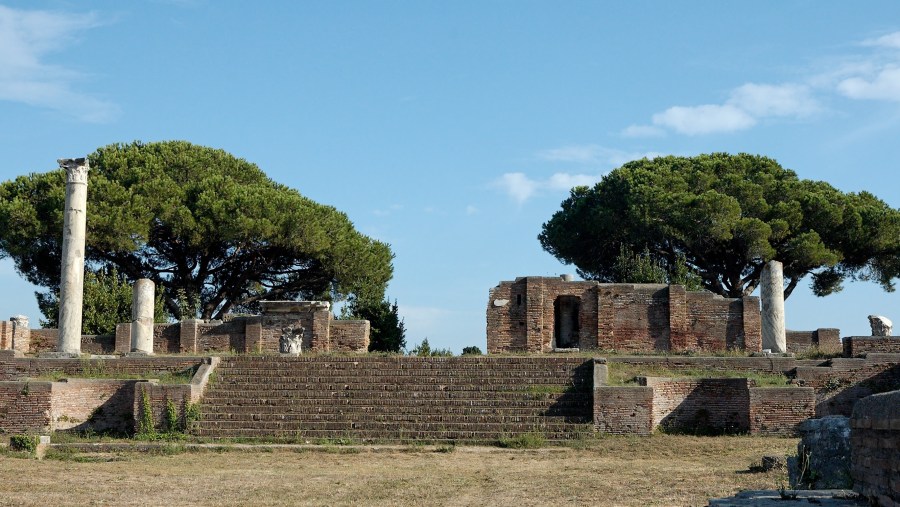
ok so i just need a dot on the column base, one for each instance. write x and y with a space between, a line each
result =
59 355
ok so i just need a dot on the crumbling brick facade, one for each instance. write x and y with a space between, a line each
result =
541 314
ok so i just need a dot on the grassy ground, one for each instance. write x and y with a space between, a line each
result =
660 470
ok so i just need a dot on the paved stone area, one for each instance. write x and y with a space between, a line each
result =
773 498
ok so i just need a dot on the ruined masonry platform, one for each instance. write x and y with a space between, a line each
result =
398 398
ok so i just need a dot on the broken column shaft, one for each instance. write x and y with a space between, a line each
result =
772 299
71 288
142 306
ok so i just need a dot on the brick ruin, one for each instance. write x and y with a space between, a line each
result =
321 332
544 314
541 314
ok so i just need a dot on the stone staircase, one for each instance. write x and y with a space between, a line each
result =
468 399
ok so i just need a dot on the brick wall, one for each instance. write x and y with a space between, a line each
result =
875 448
521 317
857 346
714 323
778 410
827 340
701 406
159 395
25 407
101 405
623 410
777 365
221 336
349 335
841 382
18 368
634 318
45 340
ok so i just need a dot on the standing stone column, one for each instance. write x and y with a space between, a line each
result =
772 296
142 306
71 289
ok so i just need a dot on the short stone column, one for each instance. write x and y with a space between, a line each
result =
772 296
143 303
71 289
21 334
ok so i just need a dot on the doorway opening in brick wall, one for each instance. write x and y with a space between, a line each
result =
565 322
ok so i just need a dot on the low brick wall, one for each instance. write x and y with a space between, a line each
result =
158 396
875 448
25 407
844 381
45 340
779 410
777 365
702 406
623 410
101 405
827 340
350 335
858 346
20 368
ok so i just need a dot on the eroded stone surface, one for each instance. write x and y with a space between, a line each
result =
823 454
881 326
771 285
291 341
71 290
142 306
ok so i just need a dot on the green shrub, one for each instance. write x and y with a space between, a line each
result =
471 351
24 443
524 441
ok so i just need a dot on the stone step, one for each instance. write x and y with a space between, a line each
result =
364 418
340 393
472 436
389 404
380 429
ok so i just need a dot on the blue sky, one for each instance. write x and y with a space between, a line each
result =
453 130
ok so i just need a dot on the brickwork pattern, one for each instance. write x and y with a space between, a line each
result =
827 340
99 405
25 407
777 411
702 406
349 335
858 346
623 410
875 448
624 317
841 382
20 368
45 340
159 396
398 398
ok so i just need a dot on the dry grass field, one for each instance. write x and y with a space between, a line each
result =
661 470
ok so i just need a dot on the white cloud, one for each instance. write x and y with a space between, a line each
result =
517 185
705 119
762 100
388 211
643 131
582 154
891 40
746 105
471 210
26 37
520 187
884 85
